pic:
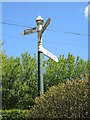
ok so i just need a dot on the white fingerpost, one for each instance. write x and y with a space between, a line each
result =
40 29
39 22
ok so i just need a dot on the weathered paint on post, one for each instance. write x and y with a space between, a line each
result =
40 29
39 22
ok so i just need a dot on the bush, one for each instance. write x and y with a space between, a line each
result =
14 114
67 100
19 81
20 77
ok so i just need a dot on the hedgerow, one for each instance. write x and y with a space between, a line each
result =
20 77
67 100
14 114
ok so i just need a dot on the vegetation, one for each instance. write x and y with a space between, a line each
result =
20 77
67 100
66 69
14 114
19 81
63 98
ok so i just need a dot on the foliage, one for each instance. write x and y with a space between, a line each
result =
20 77
67 100
14 114
66 69
19 81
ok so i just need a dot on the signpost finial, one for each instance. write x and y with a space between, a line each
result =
39 20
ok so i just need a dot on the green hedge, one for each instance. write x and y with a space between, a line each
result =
67 100
20 77
14 114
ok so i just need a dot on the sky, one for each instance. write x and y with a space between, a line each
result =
65 17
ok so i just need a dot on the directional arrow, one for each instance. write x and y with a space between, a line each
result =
48 54
29 31
45 26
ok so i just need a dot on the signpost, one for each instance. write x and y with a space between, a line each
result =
45 26
40 29
50 55
29 31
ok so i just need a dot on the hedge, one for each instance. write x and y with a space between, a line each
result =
20 77
67 100
14 114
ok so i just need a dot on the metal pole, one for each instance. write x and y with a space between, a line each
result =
40 74
39 21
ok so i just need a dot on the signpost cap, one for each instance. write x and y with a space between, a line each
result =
39 20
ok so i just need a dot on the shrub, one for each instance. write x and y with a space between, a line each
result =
67 100
14 114
20 77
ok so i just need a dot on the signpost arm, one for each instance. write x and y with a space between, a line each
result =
39 21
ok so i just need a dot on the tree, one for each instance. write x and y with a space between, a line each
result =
19 81
65 69
20 77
